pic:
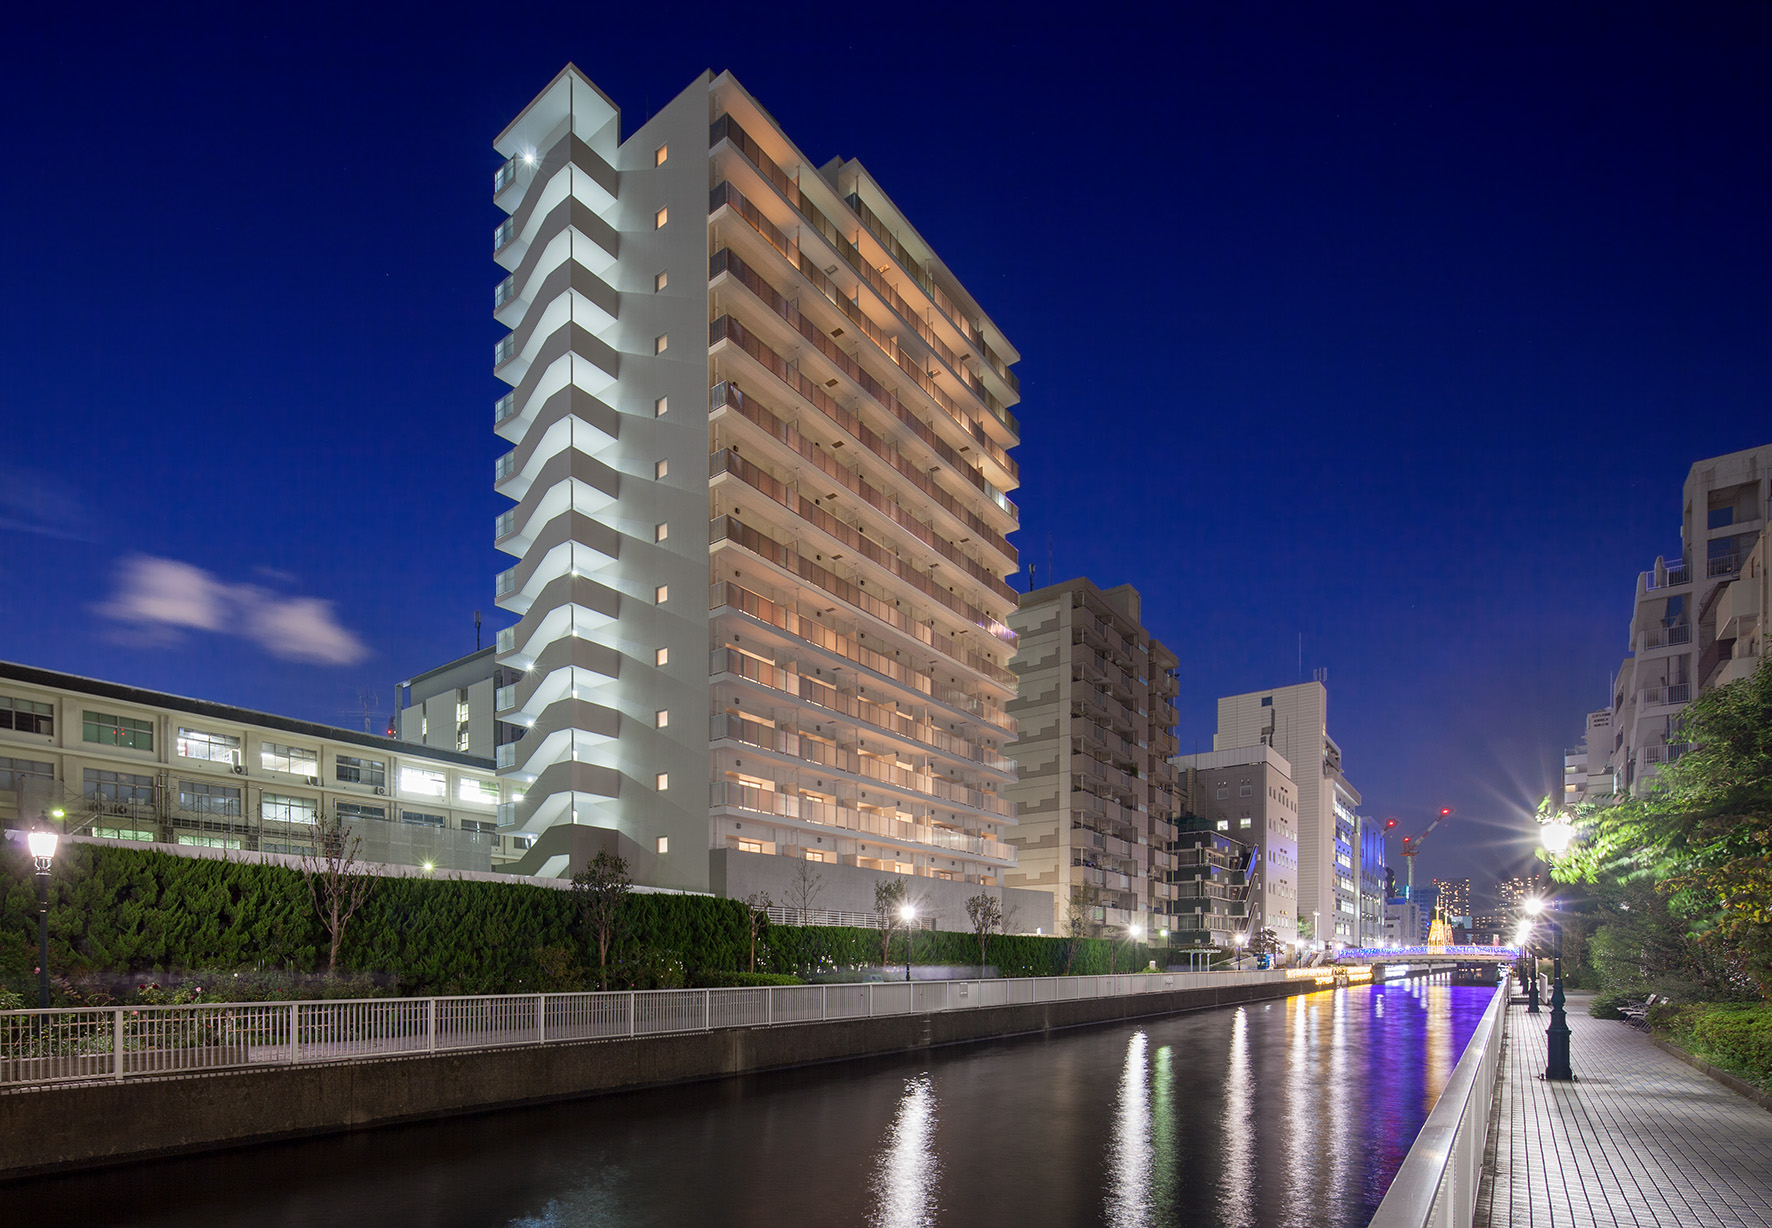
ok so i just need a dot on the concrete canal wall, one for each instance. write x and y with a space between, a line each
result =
59 1127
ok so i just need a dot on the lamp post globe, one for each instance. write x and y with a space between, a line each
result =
42 841
909 912
1556 835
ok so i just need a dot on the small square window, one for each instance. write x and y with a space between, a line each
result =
660 281
660 218
662 657
661 532
664 845
660 407
664 781
661 343
661 594
662 718
658 159
661 470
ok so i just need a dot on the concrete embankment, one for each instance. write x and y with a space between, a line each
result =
61 1127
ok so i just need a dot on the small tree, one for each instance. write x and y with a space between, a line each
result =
1079 919
337 883
805 884
1264 942
758 904
602 890
986 913
890 896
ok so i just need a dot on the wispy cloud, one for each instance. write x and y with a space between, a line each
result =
32 503
166 595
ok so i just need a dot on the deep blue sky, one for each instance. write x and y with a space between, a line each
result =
1396 328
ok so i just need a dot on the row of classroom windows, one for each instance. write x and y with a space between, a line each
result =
106 730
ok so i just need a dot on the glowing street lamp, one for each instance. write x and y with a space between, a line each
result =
1556 835
42 841
909 913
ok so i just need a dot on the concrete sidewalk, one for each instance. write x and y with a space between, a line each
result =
1640 1139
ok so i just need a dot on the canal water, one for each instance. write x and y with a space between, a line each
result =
1284 1114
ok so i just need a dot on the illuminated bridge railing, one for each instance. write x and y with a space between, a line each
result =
1379 955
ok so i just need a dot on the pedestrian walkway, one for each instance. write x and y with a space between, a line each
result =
1640 1138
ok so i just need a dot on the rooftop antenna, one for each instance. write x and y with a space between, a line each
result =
1049 570
476 631
369 701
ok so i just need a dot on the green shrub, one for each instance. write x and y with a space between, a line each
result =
1737 1038
743 980
1606 1005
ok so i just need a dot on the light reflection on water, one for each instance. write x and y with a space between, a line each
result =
1288 1113
909 1170
1129 1154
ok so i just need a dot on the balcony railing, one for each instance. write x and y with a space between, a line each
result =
505 350
1676 574
502 234
506 755
1723 565
1662 637
505 525
1658 696
827 814
504 466
507 639
504 409
505 698
505 291
506 581
504 176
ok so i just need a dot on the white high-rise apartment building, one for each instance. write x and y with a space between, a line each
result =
1294 720
760 465
1695 623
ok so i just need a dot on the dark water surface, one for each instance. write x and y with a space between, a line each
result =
1288 1113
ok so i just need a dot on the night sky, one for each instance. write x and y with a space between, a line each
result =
1394 328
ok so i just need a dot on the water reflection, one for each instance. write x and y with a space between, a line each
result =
1236 1182
905 1179
1129 1155
1289 1114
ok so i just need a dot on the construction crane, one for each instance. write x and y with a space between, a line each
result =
1412 846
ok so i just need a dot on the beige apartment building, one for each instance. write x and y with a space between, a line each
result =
1696 622
760 466
127 763
1095 799
1247 794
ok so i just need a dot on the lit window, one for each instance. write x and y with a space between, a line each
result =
664 781
661 594
275 808
213 747
660 218
1224 825
749 846
662 657
661 343
423 783
297 759
664 845
481 792
661 470
660 406
660 281
662 718
109 730
661 532
815 855
658 159
1244 822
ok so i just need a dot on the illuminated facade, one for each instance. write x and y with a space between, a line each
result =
760 466
1294 720
1248 794
1095 793
1696 623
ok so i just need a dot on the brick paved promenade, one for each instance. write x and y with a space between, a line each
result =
1641 1139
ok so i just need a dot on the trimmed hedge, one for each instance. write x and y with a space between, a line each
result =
119 915
1732 1037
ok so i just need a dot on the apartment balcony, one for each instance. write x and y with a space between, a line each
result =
1737 610
725 794
1664 696
503 234
1672 575
1664 637
1723 565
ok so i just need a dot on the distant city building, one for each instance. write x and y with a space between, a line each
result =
1294 721
1512 893
774 388
1455 900
1247 793
1374 879
1404 925
1095 793
1696 623
127 763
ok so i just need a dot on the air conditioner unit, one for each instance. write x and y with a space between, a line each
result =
314 780
381 790
239 769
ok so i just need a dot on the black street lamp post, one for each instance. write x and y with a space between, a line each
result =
42 841
909 913
1556 1064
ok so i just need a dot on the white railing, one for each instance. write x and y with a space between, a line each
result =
84 1044
1437 1183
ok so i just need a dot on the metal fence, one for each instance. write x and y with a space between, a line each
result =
83 1044
1436 1187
